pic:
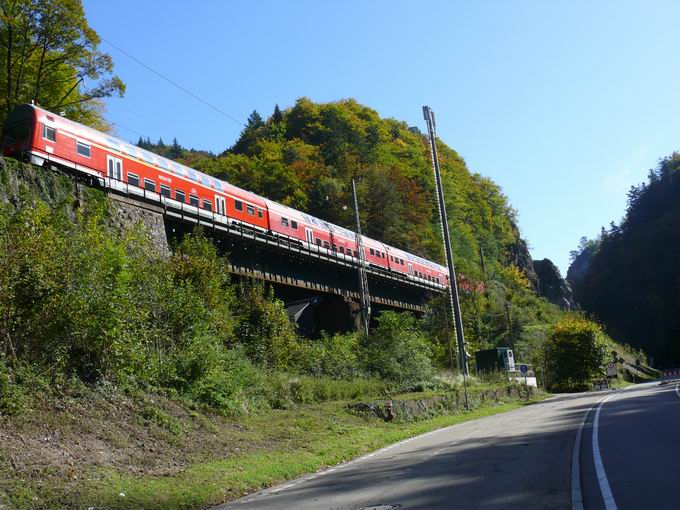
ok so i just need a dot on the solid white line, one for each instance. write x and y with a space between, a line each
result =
606 491
576 494
677 390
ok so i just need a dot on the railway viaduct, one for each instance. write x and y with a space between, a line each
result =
320 287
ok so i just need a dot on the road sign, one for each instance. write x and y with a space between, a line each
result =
524 369
611 369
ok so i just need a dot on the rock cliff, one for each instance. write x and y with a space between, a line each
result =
552 286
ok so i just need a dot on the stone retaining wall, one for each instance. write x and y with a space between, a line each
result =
449 403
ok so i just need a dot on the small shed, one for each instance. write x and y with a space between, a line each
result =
492 360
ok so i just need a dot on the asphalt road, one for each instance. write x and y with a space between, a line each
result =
520 459
638 440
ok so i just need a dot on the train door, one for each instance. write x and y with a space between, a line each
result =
220 205
310 236
115 168
410 269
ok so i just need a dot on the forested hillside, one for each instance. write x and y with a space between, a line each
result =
629 277
305 156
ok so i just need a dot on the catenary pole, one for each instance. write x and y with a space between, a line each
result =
453 282
363 282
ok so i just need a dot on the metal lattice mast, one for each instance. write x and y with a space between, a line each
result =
453 281
363 282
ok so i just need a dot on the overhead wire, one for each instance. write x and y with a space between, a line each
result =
195 145
173 83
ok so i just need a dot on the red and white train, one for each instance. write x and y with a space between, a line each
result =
39 136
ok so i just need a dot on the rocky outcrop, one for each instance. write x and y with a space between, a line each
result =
552 286
519 256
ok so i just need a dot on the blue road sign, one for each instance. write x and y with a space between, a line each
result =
523 368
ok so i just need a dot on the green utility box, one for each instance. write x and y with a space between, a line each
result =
492 360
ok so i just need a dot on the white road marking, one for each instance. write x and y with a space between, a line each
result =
606 491
576 494
677 390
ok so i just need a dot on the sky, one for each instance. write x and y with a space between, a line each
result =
565 104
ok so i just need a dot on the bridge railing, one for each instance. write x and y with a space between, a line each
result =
229 225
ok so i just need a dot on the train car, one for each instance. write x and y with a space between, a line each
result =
344 241
39 136
426 270
303 228
375 252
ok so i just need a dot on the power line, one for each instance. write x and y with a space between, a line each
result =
175 84
158 124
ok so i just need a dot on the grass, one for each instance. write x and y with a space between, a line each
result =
216 459
313 438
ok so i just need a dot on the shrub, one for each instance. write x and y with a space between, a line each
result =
398 351
263 329
286 389
576 354
12 396
220 378
335 356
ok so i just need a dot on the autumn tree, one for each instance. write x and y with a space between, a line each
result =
49 54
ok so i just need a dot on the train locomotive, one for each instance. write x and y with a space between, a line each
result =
40 137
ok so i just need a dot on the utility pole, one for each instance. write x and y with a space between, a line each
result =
511 333
363 282
481 256
453 282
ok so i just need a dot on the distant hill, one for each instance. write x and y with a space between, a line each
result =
630 277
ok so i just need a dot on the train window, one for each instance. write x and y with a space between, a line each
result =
176 169
179 196
372 252
238 205
207 205
165 190
192 174
436 278
335 248
133 179
326 244
260 213
49 133
342 250
149 185
164 164
205 179
293 224
83 149
250 210
193 200
356 253
131 151
147 157
284 222
318 241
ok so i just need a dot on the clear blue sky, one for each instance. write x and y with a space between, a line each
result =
564 104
